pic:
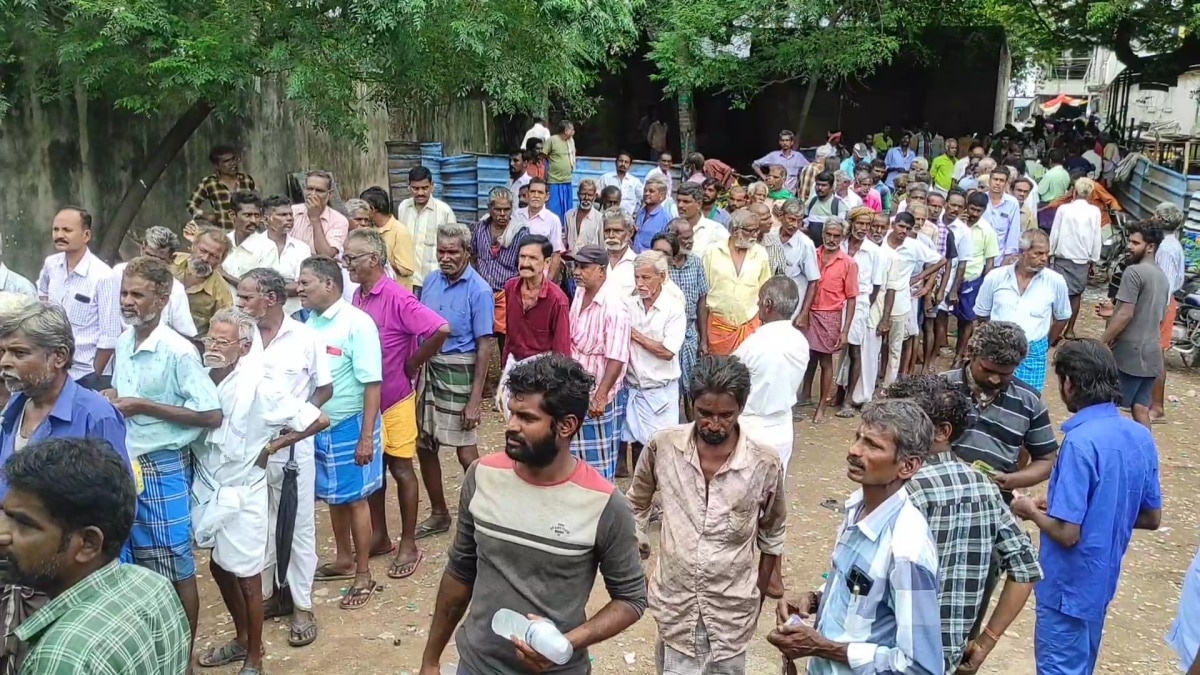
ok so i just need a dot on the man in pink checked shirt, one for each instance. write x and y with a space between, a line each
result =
600 342
330 235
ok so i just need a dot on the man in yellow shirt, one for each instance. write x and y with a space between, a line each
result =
736 269
400 250
883 140
942 168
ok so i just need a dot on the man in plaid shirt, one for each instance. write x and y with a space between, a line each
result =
218 189
970 524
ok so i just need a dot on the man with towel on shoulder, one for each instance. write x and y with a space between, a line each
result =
735 269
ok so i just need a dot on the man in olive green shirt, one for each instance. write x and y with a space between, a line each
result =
67 514
1057 181
560 153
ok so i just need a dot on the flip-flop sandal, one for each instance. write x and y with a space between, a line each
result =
222 655
394 572
424 531
304 636
845 413
357 598
379 554
328 572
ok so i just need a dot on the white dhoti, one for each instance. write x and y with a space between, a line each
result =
502 390
862 334
773 430
649 410
302 566
233 523
862 317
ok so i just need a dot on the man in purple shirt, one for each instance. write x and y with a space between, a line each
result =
410 334
787 157
36 350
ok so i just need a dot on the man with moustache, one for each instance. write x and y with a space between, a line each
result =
599 323
67 513
292 354
157 242
280 251
735 270
538 315
261 418
800 258
787 156
941 169
653 217
494 245
1003 212
401 251
243 252
409 334
168 400
519 163
822 206
207 292
315 222
687 274
768 238
864 187
726 492
708 202
860 360
73 278
985 254
945 211
617 233
831 313
705 232
449 406
539 220
349 453
664 171
516 546
584 222
36 346
878 610
631 188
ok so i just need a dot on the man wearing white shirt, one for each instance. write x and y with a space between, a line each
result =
843 192
1033 297
859 366
1075 245
260 419
279 250
11 282
157 242
72 279
664 172
706 232
631 188
294 355
585 222
777 356
540 220
247 221
618 232
518 170
965 166
423 214
945 211
800 258
915 262
538 131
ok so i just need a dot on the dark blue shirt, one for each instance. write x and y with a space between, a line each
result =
1106 473
78 413
648 224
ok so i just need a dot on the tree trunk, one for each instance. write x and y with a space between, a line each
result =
168 148
687 134
809 94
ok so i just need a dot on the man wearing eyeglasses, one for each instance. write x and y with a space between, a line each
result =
330 236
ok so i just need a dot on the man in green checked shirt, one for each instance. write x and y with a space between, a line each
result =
67 514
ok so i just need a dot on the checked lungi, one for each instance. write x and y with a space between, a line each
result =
444 394
689 352
824 330
162 524
1032 371
340 480
596 442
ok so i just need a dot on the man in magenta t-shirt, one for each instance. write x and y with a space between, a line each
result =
410 334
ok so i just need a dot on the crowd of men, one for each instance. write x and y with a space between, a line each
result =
292 352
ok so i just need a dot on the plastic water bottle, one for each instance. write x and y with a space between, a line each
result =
542 635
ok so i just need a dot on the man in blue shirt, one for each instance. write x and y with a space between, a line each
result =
37 346
1184 636
899 159
1104 486
653 217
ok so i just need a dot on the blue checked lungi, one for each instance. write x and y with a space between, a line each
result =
339 479
1032 370
161 539
560 201
688 355
596 442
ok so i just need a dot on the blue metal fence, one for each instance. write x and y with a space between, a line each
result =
431 158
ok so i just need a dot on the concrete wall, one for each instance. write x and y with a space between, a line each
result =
85 153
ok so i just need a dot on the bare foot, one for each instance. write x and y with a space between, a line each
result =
819 415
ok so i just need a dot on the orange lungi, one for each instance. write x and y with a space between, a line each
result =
501 319
1169 323
724 337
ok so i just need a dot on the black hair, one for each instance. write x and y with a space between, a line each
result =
81 482
564 385
942 401
537 240
671 238
907 218
419 173
539 181
977 199
219 150
691 190
721 375
324 268
377 198
1092 370
824 177
245 198
1150 231
276 202
532 143
85 218
624 153
1057 156
878 163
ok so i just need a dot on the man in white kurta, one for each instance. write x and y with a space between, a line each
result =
658 323
872 274
777 356
229 487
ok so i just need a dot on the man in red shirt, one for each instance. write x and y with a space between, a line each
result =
832 311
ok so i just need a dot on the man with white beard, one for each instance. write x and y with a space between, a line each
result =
229 490
617 233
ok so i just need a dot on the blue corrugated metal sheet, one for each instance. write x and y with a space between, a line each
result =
492 172
1148 186
431 158
595 167
460 186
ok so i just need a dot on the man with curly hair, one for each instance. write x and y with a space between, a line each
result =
970 524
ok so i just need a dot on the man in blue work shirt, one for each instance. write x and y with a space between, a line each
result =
1104 486
37 346
653 217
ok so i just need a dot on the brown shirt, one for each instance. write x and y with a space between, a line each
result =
707 568
204 299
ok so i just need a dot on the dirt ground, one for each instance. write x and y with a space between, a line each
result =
388 635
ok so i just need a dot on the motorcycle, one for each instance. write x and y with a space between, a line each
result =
1185 334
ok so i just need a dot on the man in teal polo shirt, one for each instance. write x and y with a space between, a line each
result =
349 461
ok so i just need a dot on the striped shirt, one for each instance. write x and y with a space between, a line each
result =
881 594
1169 258
1017 418
93 314
600 333
495 263
422 223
